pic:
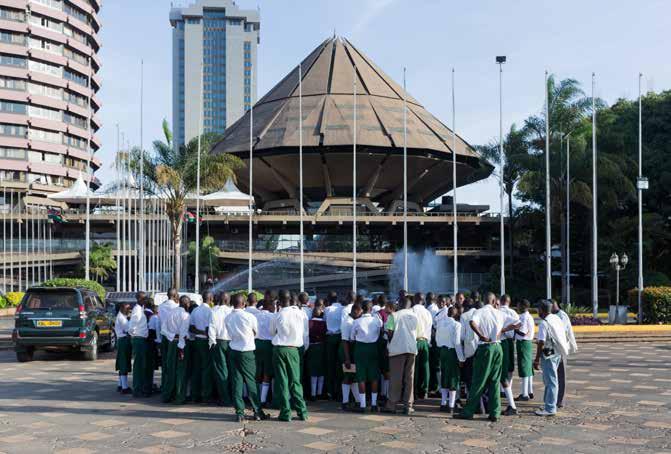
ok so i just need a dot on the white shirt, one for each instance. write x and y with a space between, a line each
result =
155 324
165 308
425 321
346 327
510 318
308 312
121 325
573 345
468 336
333 318
242 327
137 326
345 312
290 327
176 324
490 322
442 313
201 318
265 319
217 328
448 334
366 329
434 309
252 310
527 327
404 340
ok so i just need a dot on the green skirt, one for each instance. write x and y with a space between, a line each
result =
316 360
366 358
525 358
123 356
508 347
450 374
264 358
383 354
341 359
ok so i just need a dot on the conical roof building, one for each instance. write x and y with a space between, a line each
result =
328 80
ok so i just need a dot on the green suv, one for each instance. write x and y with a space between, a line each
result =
62 319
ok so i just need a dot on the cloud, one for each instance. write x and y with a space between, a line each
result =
370 10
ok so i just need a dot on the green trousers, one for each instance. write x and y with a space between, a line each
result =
151 363
264 358
422 370
123 355
243 371
333 366
525 353
220 373
316 360
486 375
201 372
508 362
174 386
164 353
288 387
434 367
450 375
140 366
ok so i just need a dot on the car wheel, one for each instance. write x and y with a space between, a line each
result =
111 345
92 354
25 356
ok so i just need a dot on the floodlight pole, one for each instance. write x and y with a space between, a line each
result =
455 236
595 237
300 170
250 261
640 186
501 61
548 206
200 135
405 184
354 232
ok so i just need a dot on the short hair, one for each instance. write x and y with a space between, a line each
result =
366 306
332 297
207 294
451 311
525 304
172 292
545 306
184 299
238 300
303 297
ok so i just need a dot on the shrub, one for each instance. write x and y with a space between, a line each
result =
583 320
656 304
11 299
245 293
68 282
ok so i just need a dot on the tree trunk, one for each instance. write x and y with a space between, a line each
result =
176 225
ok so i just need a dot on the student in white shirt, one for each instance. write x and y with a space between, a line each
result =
123 351
242 326
511 323
164 308
175 327
333 318
138 331
346 355
365 334
524 336
264 348
422 367
218 340
201 365
289 330
448 340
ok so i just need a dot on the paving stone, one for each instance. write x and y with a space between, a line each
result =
41 425
457 429
109 423
315 431
74 451
479 443
375 418
397 444
317 419
631 414
167 434
94 436
652 403
594 426
555 441
158 449
386 430
176 421
623 395
627 441
321 446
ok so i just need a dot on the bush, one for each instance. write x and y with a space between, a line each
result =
11 299
583 320
68 282
245 293
656 304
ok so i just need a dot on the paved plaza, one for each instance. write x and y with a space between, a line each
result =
619 401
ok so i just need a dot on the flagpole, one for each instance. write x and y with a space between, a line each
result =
640 202
300 170
354 232
405 184
548 257
141 223
595 237
11 240
87 246
501 186
568 219
455 235
250 263
4 236
200 133
118 212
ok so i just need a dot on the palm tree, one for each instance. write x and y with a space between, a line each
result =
102 261
515 154
209 256
170 173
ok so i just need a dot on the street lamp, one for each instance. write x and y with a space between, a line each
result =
618 264
501 60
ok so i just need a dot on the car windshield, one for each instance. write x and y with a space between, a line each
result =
48 300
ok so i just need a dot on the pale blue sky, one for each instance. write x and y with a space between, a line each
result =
617 39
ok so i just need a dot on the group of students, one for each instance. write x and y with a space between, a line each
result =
371 355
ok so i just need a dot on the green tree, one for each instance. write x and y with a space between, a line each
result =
102 261
170 173
209 256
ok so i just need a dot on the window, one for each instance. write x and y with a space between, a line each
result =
76 78
12 175
46 68
248 45
44 136
76 56
12 84
47 23
74 98
10 60
76 13
13 153
12 107
73 141
12 130
47 46
74 120
44 90
12 14
193 21
56 4
43 112
12 38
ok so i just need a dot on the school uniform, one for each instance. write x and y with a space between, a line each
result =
218 340
154 328
176 328
264 351
346 334
124 351
448 340
486 363
290 329
524 336
137 329
316 357
365 335
333 318
434 352
402 350
201 372
164 310
508 344
422 367
470 342
242 327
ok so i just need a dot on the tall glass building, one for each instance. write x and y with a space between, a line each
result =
48 86
215 40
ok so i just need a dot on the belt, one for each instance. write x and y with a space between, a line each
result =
336 333
138 337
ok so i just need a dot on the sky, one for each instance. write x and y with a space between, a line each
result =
616 39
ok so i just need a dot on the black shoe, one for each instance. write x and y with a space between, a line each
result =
344 407
359 410
312 399
502 395
445 409
531 396
560 405
146 395
127 391
118 389
510 411
391 411
408 411
374 409
493 419
462 416
241 418
522 398
261 416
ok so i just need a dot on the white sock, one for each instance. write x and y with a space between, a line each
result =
482 405
265 387
509 395
443 397
385 387
362 400
124 381
355 392
453 398
373 399
313 386
510 379
524 387
531 385
345 392
320 386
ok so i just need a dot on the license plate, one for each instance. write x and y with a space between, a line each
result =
49 323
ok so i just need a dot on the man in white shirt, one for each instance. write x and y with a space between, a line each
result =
469 339
333 318
289 328
422 369
402 329
524 336
138 331
561 372
365 335
175 327
218 340
242 327
264 348
487 323
164 309
201 368
548 357
123 348
448 340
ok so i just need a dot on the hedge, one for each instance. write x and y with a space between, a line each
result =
656 304
67 282
245 293
11 299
